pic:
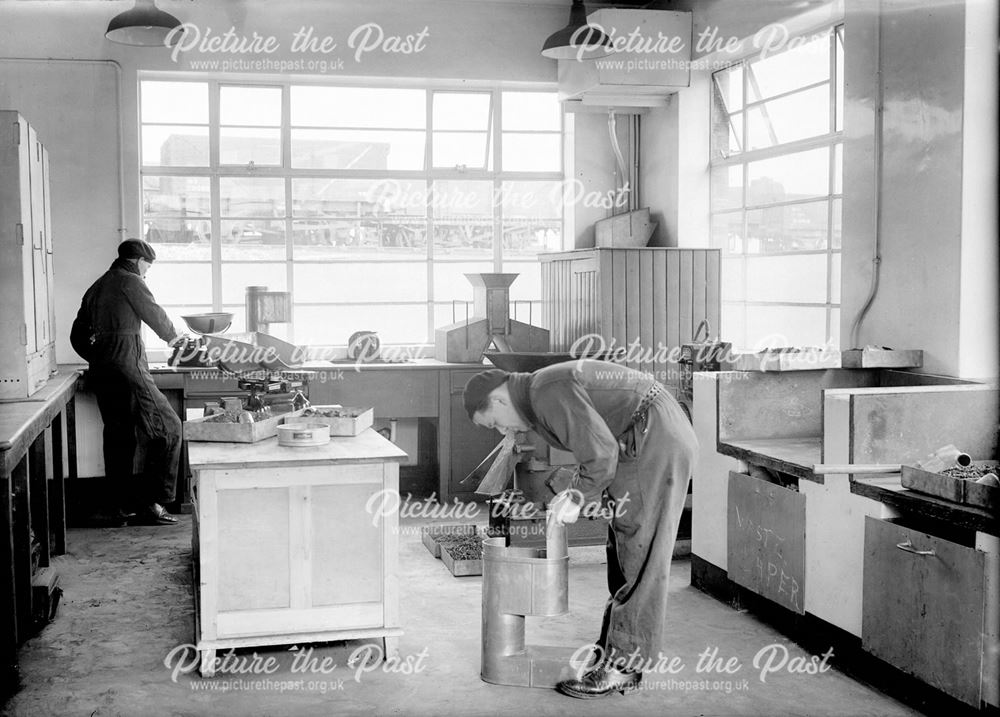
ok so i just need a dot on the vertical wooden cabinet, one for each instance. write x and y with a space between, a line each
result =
652 297
27 307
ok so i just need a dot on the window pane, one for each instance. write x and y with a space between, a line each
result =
803 65
450 283
727 135
835 278
732 275
838 169
531 152
263 197
257 106
188 196
462 110
835 230
358 239
727 232
177 284
727 187
463 217
357 149
799 279
839 122
527 285
728 88
242 145
793 227
466 149
792 176
333 325
175 102
781 326
389 198
532 213
237 277
253 240
357 281
798 116
174 146
531 111
358 107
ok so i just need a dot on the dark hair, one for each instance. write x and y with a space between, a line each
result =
476 396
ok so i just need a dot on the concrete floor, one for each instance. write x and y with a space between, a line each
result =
128 604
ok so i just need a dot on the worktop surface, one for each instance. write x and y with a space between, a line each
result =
889 490
345 365
368 446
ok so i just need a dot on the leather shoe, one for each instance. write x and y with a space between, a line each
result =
600 682
159 515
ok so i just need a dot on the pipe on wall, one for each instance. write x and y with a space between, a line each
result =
877 249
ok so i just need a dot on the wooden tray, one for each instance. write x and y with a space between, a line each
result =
461 568
352 423
205 429
433 535
956 490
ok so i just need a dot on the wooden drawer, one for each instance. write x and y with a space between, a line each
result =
766 540
923 606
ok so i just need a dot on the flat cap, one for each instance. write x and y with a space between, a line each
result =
477 390
136 249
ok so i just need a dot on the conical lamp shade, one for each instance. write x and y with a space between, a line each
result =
144 25
577 39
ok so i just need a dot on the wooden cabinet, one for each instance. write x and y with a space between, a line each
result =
653 296
292 545
27 313
923 609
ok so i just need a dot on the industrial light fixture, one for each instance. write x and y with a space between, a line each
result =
144 25
577 39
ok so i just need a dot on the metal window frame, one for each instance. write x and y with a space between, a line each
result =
833 140
215 171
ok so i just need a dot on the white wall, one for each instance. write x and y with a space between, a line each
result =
75 105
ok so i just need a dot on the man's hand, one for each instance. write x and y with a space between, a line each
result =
179 339
565 508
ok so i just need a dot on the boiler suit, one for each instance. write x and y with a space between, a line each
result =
643 461
106 333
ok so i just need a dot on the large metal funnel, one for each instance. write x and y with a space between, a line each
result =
491 299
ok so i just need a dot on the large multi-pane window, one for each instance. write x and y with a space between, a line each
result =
776 202
368 204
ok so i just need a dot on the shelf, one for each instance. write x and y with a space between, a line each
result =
888 490
794 456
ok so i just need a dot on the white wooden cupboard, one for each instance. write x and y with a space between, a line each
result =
295 545
27 306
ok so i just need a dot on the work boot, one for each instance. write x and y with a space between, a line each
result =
158 515
600 682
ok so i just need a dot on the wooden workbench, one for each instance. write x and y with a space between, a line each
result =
32 435
290 545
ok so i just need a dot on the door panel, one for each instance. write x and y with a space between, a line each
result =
923 606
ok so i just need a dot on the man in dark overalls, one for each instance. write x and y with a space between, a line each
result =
633 442
106 334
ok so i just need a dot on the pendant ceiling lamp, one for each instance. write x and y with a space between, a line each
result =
577 39
144 25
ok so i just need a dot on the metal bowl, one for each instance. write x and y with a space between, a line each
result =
533 360
208 323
